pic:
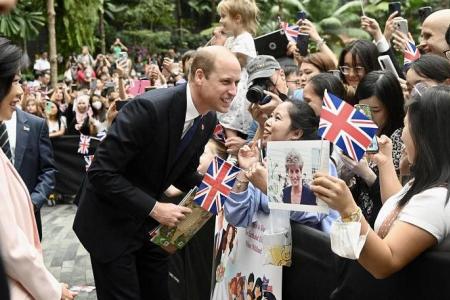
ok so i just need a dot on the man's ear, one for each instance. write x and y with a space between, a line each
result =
282 74
199 76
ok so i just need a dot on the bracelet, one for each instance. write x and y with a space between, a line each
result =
353 217
320 43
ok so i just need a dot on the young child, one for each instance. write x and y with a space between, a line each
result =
239 20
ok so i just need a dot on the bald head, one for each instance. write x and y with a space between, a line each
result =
433 32
209 58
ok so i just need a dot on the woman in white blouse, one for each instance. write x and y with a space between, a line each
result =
413 218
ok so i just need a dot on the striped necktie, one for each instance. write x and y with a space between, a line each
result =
4 141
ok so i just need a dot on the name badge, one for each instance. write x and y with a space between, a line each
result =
26 128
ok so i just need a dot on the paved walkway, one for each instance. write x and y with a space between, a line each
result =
64 255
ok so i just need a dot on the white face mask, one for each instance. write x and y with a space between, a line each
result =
97 105
346 240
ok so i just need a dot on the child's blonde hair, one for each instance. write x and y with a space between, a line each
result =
247 9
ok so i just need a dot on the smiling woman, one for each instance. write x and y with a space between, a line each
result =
19 240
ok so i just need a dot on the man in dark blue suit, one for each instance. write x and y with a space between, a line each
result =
156 141
32 156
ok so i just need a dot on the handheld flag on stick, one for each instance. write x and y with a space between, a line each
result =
216 185
362 7
83 146
88 160
291 31
411 53
346 127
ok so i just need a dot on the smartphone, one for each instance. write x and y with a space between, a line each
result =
386 64
48 107
395 6
365 109
123 56
120 104
302 43
301 15
424 12
401 25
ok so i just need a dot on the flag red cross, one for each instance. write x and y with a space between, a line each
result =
216 185
340 123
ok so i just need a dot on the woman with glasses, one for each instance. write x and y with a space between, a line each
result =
429 70
356 60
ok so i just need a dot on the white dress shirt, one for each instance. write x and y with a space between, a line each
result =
191 112
11 128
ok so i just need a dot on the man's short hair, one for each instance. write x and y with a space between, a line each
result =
204 60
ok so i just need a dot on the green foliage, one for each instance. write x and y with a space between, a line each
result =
24 22
200 6
150 14
153 41
80 22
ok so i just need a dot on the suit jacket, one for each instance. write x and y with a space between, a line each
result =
308 197
133 166
34 156
20 248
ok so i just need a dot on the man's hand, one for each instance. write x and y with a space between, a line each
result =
169 214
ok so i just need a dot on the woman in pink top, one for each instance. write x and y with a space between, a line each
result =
20 248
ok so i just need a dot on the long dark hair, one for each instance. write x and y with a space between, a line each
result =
366 52
225 238
429 126
386 87
58 114
303 117
329 82
11 60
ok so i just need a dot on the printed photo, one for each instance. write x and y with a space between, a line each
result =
291 166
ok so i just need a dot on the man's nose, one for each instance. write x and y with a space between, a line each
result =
233 89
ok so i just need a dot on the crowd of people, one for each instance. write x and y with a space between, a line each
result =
397 197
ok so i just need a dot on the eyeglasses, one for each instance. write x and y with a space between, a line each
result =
447 54
346 70
418 89
297 82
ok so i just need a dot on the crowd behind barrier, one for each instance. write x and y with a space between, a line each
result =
288 91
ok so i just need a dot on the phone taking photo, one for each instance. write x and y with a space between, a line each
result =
424 12
302 43
387 64
301 15
395 7
401 25
366 110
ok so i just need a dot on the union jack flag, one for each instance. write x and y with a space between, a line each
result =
83 146
88 159
101 135
345 126
291 31
411 53
216 185
219 133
